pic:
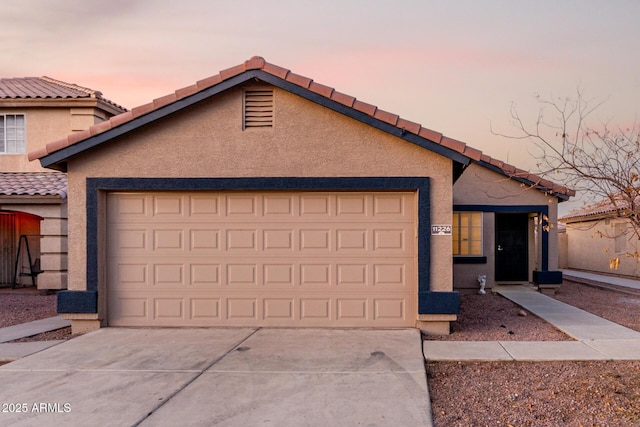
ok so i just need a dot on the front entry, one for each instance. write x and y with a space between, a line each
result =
512 247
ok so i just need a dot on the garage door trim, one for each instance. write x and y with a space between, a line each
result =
94 186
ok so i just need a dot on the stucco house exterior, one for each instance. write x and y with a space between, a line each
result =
258 197
600 239
33 200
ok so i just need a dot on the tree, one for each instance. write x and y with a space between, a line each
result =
601 161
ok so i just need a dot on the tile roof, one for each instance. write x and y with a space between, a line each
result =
603 208
33 184
47 88
258 63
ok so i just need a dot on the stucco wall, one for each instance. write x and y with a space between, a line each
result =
483 187
563 250
307 141
588 251
44 125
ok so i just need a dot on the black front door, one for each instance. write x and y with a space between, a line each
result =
512 247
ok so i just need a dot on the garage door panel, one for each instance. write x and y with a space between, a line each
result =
316 275
351 240
272 259
205 239
389 309
316 206
169 205
352 205
242 309
169 308
278 275
392 205
242 206
202 206
205 275
206 310
278 206
128 207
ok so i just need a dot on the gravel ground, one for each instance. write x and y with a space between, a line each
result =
601 393
22 306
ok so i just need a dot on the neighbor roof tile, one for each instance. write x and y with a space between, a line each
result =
33 184
47 88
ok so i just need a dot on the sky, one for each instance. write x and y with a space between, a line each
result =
456 67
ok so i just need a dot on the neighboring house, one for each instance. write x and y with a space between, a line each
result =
33 200
258 197
600 239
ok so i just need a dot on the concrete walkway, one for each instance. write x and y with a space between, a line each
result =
603 278
596 338
13 351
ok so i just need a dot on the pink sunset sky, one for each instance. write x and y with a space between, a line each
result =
453 66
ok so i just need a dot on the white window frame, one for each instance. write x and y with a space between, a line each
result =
14 145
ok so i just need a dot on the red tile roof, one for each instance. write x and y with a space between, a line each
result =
602 209
33 184
258 63
47 88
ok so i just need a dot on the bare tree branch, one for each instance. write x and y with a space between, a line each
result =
593 160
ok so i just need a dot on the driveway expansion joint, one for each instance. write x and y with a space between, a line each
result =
197 375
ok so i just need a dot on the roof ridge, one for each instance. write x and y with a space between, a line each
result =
259 63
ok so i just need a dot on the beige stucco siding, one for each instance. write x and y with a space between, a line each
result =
44 125
307 140
587 250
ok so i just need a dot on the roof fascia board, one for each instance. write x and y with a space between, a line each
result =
27 200
67 152
561 197
49 102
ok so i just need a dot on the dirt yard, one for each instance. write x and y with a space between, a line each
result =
602 393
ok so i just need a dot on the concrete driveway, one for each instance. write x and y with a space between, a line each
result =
228 377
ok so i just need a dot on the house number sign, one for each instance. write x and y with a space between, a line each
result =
441 230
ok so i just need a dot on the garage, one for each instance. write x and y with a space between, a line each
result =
261 258
258 197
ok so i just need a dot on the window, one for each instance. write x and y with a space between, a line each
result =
621 238
467 233
258 108
12 134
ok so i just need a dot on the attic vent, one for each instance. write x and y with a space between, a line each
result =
258 108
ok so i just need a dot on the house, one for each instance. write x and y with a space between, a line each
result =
33 200
258 197
600 238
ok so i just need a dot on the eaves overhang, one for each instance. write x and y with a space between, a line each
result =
561 196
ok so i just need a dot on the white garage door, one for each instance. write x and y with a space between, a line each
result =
261 259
